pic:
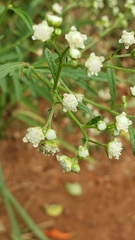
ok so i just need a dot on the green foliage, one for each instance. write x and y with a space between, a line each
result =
52 65
112 84
132 138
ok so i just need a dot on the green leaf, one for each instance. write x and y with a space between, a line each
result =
112 84
9 68
84 108
51 63
132 138
81 74
17 86
24 16
93 121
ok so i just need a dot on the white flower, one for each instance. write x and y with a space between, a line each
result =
49 148
127 38
54 21
75 53
34 135
69 102
42 32
50 134
83 152
57 8
122 122
65 162
113 149
75 39
94 64
132 90
101 125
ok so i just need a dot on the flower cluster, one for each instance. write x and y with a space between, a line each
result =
70 101
122 122
75 40
36 135
42 31
127 39
94 64
114 149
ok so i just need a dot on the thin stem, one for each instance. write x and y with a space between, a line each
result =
32 226
48 84
100 106
119 68
58 75
97 143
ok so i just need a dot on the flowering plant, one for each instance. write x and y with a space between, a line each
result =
72 54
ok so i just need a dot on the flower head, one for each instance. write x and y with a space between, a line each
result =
127 38
113 149
42 32
49 148
57 8
34 135
132 90
65 162
70 101
122 122
75 39
50 134
94 64
83 152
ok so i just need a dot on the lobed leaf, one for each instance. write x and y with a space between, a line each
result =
93 121
84 108
131 131
112 84
24 16
9 68
51 63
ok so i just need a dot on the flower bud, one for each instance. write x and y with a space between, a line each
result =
65 162
50 134
75 53
101 125
48 148
57 31
83 152
54 21
75 168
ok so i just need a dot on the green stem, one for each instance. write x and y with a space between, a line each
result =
97 143
119 68
112 55
48 84
100 106
122 55
25 217
15 227
58 75
49 121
